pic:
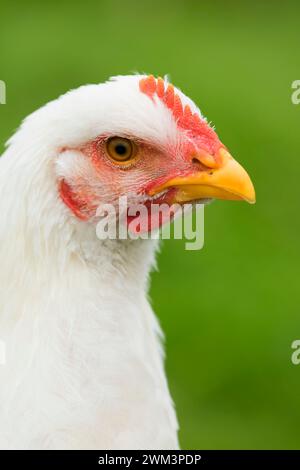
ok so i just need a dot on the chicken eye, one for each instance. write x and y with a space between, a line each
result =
120 149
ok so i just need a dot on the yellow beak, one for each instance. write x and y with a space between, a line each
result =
228 180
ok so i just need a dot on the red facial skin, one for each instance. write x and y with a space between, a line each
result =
152 166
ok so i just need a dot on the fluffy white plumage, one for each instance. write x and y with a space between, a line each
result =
84 363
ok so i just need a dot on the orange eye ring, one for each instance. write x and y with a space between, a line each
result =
120 149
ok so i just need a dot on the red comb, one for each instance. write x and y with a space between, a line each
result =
184 116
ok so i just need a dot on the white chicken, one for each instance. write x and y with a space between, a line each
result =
84 363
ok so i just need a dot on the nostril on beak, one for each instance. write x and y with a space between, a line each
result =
207 160
200 166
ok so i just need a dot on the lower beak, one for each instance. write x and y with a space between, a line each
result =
228 181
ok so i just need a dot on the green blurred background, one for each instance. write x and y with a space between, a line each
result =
230 311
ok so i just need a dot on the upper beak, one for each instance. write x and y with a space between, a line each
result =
225 180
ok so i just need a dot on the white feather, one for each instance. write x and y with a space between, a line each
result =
84 363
